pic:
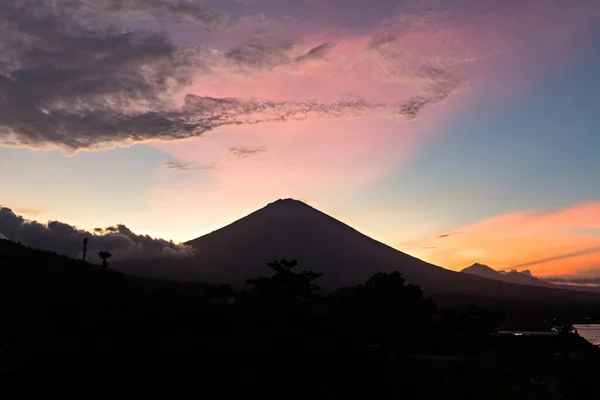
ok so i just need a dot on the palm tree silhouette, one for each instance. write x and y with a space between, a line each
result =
104 255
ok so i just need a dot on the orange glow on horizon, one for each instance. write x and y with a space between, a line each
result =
563 242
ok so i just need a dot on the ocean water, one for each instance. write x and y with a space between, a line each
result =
591 333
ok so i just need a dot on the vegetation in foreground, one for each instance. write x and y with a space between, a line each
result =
64 319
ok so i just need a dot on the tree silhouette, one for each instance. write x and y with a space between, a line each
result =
282 320
285 286
104 255
383 310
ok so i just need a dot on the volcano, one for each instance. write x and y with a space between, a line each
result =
291 229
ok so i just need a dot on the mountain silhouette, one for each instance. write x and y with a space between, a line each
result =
291 229
521 278
482 270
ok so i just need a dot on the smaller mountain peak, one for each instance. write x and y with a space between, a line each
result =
478 266
481 270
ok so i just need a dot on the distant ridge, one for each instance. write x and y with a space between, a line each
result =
519 277
481 270
291 229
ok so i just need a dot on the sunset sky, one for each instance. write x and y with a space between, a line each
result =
458 131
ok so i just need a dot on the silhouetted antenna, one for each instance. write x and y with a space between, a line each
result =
85 241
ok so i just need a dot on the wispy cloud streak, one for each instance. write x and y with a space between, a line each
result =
560 257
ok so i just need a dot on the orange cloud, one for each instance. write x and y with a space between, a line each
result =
550 243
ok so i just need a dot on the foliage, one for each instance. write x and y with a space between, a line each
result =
104 256
383 310
286 286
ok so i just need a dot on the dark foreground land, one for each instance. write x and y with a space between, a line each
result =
67 326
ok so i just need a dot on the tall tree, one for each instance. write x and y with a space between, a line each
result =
104 255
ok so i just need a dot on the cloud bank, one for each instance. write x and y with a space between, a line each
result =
79 75
66 239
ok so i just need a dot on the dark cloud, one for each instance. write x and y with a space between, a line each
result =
448 235
257 54
413 16
316 53
177 10
204 113
245 152
194 11
439 84
267 45
565 256
66 239
71 76
269 53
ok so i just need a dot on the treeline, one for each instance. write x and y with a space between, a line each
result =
65 318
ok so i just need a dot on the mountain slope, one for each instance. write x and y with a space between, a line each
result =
293 230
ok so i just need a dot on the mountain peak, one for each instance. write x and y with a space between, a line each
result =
287 206
513 276
478 267
481 270
287 202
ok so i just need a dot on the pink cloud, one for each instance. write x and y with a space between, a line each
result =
302 159
488 44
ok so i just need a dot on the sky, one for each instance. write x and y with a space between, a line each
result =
458 131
